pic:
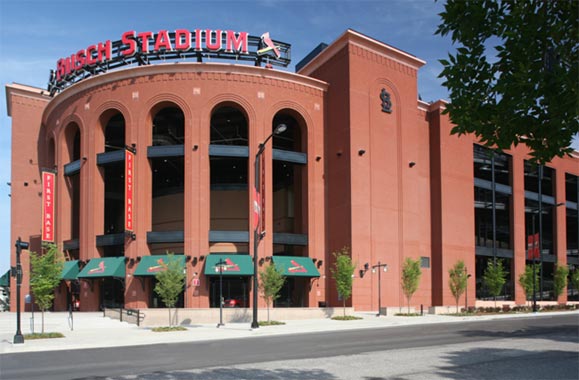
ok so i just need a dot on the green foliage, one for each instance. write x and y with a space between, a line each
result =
410 278
560 279
170 282
495 277
45 273
574 279
526 279
345 318
457 280
271 280
513 78
43 335
342 273
168 328
271 323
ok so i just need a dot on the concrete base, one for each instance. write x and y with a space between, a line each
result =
160 317
393 310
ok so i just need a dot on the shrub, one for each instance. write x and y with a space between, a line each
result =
345 318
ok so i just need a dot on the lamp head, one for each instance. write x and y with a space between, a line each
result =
280 129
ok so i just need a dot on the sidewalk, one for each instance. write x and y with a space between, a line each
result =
92 330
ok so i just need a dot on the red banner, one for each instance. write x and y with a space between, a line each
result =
129 171
256 209
262 193
533 247
48 206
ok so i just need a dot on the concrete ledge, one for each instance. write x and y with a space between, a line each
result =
160 317
393 310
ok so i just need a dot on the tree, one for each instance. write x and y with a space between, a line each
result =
574 279
526 279
410 278
271 281
559 279
45 276
342 273
524 89
458 277
170 282
494 278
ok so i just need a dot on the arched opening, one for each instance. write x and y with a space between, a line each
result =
168 175
113 173
73 152
229 198
289 211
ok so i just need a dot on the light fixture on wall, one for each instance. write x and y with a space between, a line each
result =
411 164
361 152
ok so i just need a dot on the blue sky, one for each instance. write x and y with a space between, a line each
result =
34 34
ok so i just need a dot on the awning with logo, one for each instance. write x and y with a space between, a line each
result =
231 264
296 266
104 267
151 265
5 279
70 270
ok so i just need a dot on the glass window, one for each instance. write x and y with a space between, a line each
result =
483 165
531 179
484 220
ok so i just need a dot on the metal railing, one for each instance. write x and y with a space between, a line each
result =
134 316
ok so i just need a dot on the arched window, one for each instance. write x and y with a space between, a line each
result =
73 152
289 184
168 175
113 172
229 199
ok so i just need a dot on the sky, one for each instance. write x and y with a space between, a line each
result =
34 34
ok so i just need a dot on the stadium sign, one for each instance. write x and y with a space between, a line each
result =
144 47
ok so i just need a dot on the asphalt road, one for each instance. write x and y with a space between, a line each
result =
529 348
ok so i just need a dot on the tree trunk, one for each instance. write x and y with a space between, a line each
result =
268 311
42 321
344 303
170 321
408 304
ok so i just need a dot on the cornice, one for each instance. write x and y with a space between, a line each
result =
190 71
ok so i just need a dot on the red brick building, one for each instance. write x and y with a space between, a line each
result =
362 163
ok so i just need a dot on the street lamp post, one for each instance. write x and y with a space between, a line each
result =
534 257
540 243
466 290
18 338
257 236
379 266
220 266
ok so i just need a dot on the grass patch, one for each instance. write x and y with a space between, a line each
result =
49 335
168 328
271 323
345 318
407 315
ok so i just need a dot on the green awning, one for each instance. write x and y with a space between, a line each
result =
233 265
5 279
70 270
104 267
151 265
296 266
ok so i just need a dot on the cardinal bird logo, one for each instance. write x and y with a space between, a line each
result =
157 268
297 268
228 266
269 46
99 269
